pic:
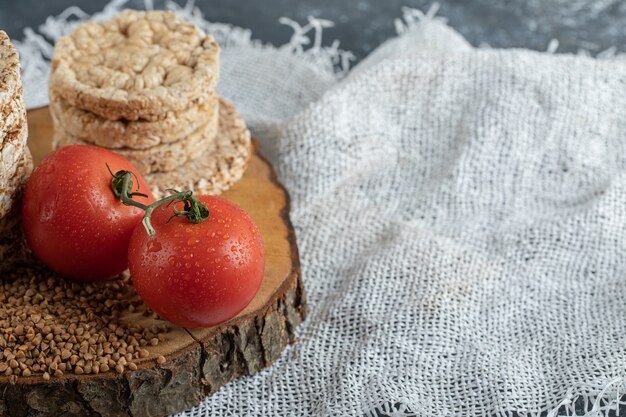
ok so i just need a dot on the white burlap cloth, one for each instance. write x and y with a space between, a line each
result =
461 218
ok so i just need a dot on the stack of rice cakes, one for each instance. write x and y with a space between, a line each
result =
16 162
143 85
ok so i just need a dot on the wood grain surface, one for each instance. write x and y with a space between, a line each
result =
199 361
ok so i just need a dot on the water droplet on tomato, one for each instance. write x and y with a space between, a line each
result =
227 258
193 241
48 168
154 246
47 210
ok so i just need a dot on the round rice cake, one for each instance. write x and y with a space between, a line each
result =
12 114
13 129
13 247
139 134
218 168
161 158
10 78
137 65
12 149
10 195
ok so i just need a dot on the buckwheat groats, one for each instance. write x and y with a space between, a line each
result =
137 65
15 159
51 326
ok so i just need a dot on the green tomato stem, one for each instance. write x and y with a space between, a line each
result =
193 210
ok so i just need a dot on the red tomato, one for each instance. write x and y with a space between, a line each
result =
72 220
198 275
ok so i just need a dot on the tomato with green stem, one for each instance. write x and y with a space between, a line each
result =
73 221
196 261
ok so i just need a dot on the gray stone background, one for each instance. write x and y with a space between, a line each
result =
361 25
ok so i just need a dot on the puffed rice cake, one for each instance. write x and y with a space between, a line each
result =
218 168
137 65
160 158
12 148
16 162
10 78
13 247
13 128
122 134
11 193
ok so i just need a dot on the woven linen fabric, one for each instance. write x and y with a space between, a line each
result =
461 219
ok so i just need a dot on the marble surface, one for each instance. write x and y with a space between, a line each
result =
361 25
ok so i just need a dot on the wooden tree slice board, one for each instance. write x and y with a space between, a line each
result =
199 361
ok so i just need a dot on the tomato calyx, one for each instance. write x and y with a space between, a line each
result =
193 209
117 183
